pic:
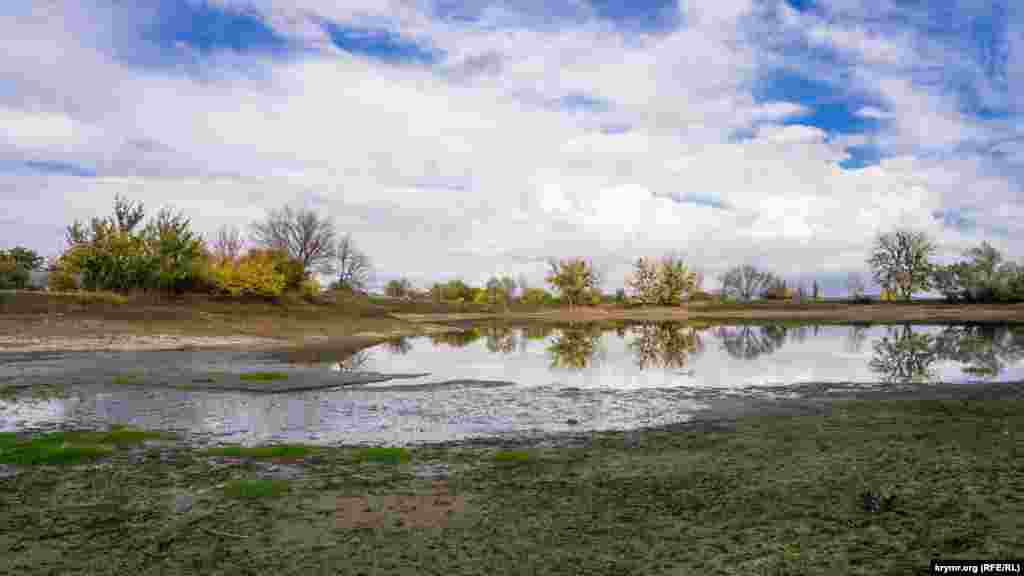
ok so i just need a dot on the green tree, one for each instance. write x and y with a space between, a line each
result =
643 283
24 257
575 279
674 281
900 261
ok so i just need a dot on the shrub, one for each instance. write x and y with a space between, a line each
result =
12 275
701 296
60 280
255 274
778 293
309 289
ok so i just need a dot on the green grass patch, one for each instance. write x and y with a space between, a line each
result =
51 449
275 451
130 379
512 456
71 447
8 439
383 455
263 376
256 489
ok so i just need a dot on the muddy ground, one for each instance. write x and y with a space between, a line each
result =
862 486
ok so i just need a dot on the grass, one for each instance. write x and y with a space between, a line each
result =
263 376
255 489
261 452
512 456
70 447
383 455
132 379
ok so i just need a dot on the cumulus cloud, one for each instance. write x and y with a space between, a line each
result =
469 166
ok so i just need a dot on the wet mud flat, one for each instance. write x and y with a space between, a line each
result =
879 482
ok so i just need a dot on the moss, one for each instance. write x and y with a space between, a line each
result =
255 489
384 455
263 376
512 456
275 451
71 447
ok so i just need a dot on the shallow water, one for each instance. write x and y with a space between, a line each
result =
496 380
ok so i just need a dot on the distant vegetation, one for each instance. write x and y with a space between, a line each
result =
125 252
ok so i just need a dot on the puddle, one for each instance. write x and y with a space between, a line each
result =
491 381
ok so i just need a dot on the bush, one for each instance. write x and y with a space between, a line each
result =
255 274
12 275
778 293
60 280
310 289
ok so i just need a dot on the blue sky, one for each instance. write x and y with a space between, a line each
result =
477 137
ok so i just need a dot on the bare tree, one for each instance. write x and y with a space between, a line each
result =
744 281
352 265
899 261
302 233
228 243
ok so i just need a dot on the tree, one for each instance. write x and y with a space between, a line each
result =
508 286
899 261
24 258
574 279
399 288
303 234
228 244
744 282
179 251
855 285
674 280
644 281
495 291
815 291
352 265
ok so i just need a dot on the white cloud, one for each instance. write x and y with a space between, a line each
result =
442 175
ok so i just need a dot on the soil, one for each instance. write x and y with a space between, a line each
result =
870 486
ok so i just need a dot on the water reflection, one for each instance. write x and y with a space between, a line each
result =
400 345
500 338
749 342
353 363
982 350
903 355
575 346
664 345
457 339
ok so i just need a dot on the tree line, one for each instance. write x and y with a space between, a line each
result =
284 250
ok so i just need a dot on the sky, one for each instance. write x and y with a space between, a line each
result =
478 138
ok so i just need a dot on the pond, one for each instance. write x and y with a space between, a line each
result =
496 380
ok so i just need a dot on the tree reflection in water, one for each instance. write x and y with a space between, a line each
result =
904 356
457 339
355 362
500 338
983 349
667 344
575 346
400 345
855 340
749 342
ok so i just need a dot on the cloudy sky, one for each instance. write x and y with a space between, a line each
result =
465 139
